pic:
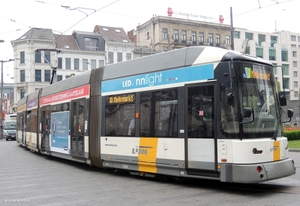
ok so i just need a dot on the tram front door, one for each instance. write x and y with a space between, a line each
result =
200 140
78 127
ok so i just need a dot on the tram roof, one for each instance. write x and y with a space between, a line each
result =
22 101
172 59
70 83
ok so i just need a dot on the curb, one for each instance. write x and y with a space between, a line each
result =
294 150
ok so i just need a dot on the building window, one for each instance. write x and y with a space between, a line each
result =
110 57
294 63
22 93
165 48
101 63
227 40
294 53
249 36
217 39
22 57
120 56
284 56
193 37
68 63
261 38
275 69
286 83
47 58
295 74
93 64
165 33
296 94
148 36
59 78
59 63
295 83
247 50
47 75
176 35
210 39
201 38
273 41
128 56
91 44
22 76
38 57
285 69
293 38
183 36
293 45
76 64
259 52
85 64
38 75
236 34
272 54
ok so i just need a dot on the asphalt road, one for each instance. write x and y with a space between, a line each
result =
28 178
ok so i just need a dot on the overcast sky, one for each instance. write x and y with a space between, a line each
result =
65 16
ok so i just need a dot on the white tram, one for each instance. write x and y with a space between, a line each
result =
198 112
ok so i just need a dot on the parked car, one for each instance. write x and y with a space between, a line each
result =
9 130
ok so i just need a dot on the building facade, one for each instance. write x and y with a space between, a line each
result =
39 51
167 33
8 98
118 46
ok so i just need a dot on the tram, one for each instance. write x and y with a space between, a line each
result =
197 112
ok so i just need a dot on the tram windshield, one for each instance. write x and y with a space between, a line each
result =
255 90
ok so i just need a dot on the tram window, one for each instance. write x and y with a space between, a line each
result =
118 118
158 114
54 108
64 107
229 115
31 121
200 112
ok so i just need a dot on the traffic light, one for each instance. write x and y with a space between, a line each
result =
3 115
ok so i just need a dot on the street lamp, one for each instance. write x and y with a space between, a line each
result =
1 95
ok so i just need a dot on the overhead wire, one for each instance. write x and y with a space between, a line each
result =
68 7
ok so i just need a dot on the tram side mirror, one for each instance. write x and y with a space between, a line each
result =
247 111
282 99
230 96
290 113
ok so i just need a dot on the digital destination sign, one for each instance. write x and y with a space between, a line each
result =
129 98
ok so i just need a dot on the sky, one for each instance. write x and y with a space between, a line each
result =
66 16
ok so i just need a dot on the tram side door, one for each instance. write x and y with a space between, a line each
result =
200 141
23 127
77 123
45 128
